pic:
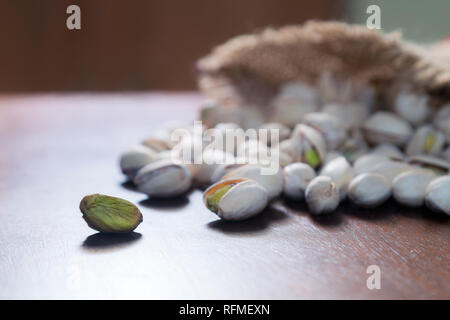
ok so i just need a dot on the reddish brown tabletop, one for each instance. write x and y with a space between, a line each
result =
57 148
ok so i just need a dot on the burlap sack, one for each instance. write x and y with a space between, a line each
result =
249 69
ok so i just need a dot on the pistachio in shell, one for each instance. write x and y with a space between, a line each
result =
235 199
110 214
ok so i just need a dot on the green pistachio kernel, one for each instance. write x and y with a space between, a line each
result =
429 142
110 214
312 158
214 198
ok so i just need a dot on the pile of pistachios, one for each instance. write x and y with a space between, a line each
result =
333 143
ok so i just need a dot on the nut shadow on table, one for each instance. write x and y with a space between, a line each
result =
100 241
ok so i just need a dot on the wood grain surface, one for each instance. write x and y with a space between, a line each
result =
57 148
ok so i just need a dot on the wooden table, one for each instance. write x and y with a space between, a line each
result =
57 148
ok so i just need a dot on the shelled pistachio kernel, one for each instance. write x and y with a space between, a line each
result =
110 214
235 199
322 195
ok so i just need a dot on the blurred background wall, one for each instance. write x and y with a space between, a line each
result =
153 44
128 45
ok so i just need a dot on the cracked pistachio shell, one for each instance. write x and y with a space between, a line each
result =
322 195
163 178
426 140
296 177
409 187
387 127
308 146
273 183
437 195
110 214
132 160
369 190
235 199
341 172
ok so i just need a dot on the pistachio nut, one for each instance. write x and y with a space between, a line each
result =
390 169
437 165
235 199
132 160
157 145
351 115
322 195
353 148
385 126
442 121
292 103
369 190
163 178
308 146
331 156
284 131
341 172
366 162
296 177
211 160
224 169
273 183
110 214
426 140
330 126
437 195
446 154
412 107
389 150
409 187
